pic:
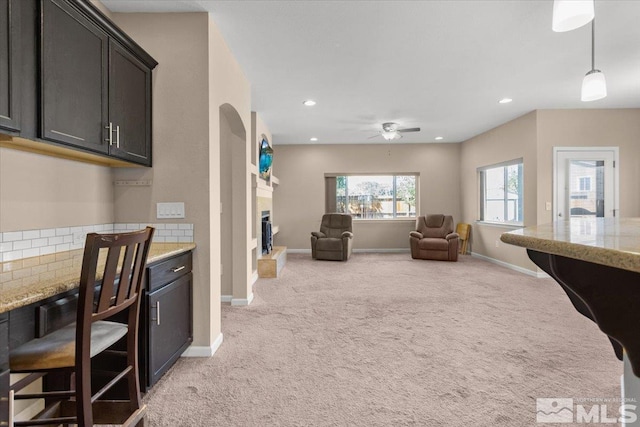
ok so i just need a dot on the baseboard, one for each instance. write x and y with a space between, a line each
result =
203 351
374 250
254 277
539 275
382 251
240 302
226 298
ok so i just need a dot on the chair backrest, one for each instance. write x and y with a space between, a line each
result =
435 225
334 224
121 276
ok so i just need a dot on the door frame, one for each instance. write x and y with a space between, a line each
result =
616 175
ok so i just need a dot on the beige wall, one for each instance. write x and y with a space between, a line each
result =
229 85
590 128
196 75
513 140
533 137
38 191
181 146
299 199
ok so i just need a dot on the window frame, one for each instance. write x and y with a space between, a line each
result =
481 172
332 194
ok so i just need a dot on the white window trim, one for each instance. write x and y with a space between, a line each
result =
509 224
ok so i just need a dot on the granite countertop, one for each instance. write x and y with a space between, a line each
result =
29 280
614 242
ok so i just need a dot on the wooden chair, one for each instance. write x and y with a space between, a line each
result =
70 350
464 231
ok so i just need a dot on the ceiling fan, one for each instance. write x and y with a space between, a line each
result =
390 131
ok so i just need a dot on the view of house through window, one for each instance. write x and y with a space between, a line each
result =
376 196
501 188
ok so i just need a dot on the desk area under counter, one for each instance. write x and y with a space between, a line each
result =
38 294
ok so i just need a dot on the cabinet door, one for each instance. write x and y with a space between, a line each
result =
129 106
9 63
73 78
170 325
4 370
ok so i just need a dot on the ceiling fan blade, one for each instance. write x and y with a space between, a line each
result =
374 136
409 130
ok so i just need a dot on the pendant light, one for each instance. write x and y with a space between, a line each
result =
594 85
571 14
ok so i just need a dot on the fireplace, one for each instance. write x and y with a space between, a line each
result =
267 234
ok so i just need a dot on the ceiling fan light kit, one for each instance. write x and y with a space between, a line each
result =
390 135
390 131
571 14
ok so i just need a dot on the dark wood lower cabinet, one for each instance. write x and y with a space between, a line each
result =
168 316
169 326
4 369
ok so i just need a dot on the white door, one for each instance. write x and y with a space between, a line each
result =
586 182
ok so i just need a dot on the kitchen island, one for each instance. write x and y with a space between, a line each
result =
39 294
596 261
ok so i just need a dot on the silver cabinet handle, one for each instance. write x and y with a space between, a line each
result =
118 136
175 270
157 307
110 128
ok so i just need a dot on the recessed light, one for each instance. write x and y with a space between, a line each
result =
309 102
505 100
314 139
439 138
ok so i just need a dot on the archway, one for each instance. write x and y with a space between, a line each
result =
234 213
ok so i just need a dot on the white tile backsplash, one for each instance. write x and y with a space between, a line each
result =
31 234
30 243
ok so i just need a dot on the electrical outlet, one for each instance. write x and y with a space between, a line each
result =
547 206
497 243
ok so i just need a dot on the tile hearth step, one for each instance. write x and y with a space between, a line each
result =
270 265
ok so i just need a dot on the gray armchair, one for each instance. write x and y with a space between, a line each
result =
434 238
335 238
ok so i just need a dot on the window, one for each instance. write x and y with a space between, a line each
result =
501 193
373 196
584 183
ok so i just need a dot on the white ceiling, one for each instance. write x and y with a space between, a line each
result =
438 65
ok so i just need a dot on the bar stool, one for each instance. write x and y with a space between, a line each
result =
109 284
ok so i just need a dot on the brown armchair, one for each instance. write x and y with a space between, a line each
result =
434 238
335 238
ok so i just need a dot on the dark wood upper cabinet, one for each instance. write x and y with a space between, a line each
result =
73 78
95 83
129 106
9 65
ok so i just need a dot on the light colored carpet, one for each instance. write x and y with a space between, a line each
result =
383 340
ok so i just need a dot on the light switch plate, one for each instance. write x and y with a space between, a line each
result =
170 210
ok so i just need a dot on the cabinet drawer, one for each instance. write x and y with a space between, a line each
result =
167 271
56 314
